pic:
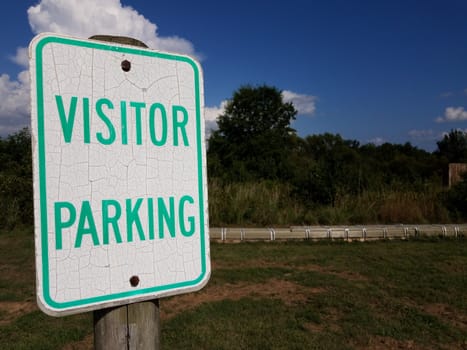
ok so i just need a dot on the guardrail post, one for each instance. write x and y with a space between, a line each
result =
272 234
329 232
364 234
346 234
242 234
223 233
307 233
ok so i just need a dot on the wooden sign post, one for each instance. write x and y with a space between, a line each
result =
131 326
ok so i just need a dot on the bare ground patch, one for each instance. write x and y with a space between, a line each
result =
387 343
330 321
447 313
289 292
11 310
261 263
347 275
86 344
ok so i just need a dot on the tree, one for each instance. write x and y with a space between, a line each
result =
401 165
254 111
254 136
456 199
337 168
16 180
453 146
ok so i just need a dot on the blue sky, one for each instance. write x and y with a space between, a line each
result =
374 71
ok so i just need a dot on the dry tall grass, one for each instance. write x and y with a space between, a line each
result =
271 203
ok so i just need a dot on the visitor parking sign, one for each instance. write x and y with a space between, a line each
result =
119 165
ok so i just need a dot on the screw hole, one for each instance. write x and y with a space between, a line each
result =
134 281
126 65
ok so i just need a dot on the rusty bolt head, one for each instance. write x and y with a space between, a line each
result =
134 281
126 65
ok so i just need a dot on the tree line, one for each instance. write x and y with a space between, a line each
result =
254 143
261 172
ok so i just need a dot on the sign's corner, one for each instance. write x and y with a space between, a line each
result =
46 308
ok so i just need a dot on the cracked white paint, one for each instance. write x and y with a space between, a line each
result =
72 279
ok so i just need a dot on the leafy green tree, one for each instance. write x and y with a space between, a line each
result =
254 138
254 111
16 180
399 166
344 167
456 199
453 147
337 170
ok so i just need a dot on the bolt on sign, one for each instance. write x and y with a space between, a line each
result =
120 197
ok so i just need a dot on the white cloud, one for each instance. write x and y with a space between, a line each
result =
377 141
421 134
84 18
210 115
304 104
453 114
14 103
79 18
22 57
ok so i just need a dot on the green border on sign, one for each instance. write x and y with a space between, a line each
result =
42 171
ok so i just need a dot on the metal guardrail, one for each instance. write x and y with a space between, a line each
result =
347 233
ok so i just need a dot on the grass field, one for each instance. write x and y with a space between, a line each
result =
282 295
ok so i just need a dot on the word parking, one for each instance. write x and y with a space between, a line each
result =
83 221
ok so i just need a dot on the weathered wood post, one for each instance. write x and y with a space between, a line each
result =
132 326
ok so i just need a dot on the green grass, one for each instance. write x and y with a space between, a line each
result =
30 329
281 295
243 324
17 281
367 291
35 330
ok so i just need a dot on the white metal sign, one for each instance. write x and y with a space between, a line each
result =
120 193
